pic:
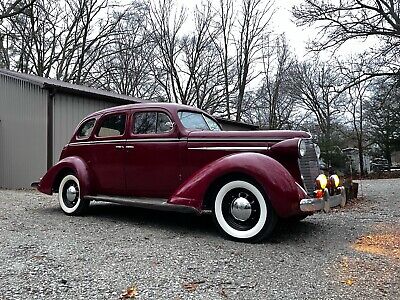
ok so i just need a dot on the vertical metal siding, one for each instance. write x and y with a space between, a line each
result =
23 122
69 110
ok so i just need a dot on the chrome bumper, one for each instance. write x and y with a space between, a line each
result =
325 203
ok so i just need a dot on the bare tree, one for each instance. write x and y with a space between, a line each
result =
315 86
166 26
128 68
12 8
188 66
61 39
358 94
382 116
85 38
342 21
224 23
278 65
252 24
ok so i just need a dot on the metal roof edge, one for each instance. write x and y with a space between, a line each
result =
28 78
70 88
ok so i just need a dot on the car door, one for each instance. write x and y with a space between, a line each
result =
108 154
153 155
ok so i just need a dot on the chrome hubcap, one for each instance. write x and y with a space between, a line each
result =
71 193
241 209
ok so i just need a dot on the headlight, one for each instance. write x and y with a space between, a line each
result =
334 179
321 181
317 150
302 148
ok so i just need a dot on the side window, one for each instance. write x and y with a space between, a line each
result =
86 129
152 122
112 125
164 123
145 123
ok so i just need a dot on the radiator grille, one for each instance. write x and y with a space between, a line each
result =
309 167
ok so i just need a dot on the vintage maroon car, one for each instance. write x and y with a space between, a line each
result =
176 157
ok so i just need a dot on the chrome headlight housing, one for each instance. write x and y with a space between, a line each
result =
317 150
302 148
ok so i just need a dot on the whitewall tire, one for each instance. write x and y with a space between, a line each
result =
242 212
69 196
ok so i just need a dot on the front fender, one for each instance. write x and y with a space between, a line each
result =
277 182
73 163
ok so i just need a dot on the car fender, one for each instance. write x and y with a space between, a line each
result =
73 163
279 185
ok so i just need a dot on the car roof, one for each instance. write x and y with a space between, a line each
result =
172 107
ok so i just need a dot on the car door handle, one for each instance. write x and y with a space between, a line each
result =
130 147
119 147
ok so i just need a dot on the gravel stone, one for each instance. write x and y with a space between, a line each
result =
48 255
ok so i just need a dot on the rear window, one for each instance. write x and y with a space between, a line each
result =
86 129
197 121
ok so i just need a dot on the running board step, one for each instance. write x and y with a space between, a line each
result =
150 203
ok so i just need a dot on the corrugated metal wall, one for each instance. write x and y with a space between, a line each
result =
69 110
23 115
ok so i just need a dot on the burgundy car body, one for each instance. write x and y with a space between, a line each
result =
184 166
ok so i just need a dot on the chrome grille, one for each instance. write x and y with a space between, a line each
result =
309 167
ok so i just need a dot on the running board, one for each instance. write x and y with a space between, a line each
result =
150 203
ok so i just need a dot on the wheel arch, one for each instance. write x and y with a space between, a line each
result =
69 165
269 175
59 177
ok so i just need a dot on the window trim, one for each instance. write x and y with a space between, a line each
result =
99 122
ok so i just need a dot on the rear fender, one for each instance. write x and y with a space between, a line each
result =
71 163
277 182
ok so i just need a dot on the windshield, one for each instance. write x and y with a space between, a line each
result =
197 121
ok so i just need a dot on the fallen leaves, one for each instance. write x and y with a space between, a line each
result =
129 293
387 244
348 281
192 286
347 272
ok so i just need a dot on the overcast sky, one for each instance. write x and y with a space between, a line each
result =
282 22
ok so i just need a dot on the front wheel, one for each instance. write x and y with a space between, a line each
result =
243 213
69 196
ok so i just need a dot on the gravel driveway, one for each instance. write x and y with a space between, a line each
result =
348 254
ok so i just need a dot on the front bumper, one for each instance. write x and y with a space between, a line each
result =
325 203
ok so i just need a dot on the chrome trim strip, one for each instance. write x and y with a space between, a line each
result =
222 148
127 141
233 139
96 142
206 140
156 140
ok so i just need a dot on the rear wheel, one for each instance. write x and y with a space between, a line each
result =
69 196
242 212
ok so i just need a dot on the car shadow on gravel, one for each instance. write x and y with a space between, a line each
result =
291 231
285 233
173 221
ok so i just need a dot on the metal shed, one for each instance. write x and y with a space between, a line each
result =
37 117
